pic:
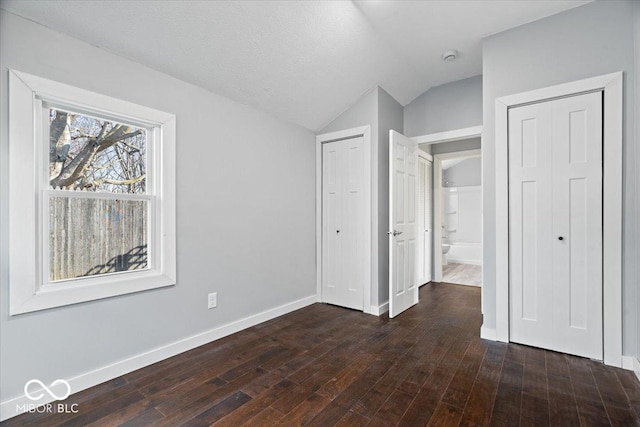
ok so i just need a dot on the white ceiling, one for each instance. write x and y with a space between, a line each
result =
303 61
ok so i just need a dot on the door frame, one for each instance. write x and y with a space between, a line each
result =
365 133
437 138
438 202
611 85
429 158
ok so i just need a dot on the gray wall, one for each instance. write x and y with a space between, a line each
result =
451 106
390 117
636 22
467 173
232 161
363 112
587 41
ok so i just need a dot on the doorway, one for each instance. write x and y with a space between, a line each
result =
458 216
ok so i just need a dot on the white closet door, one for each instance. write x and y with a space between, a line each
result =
403 223
343 227
555 225
425 232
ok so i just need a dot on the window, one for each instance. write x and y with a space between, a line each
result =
92 195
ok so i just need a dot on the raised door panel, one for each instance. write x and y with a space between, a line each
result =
332 201
530 225
353 232
577 204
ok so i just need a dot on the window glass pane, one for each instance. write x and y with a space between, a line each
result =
89 236
96 155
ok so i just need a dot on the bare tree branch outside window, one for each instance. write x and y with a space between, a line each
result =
90 236
92 154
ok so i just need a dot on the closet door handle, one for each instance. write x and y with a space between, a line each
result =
560 238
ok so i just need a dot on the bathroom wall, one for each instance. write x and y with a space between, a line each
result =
464 174
462 219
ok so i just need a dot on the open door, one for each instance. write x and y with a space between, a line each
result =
403 227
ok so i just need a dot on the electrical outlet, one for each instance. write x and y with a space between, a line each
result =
212 300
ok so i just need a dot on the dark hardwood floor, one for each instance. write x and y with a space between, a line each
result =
326 366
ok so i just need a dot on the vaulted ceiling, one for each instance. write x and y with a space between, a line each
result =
303 61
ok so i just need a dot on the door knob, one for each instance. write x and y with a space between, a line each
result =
337 231
394 232
560 238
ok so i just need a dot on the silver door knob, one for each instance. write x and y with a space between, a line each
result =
394 232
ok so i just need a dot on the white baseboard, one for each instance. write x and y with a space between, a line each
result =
627 363
381 309
463 284
632 364
464 261
488 334
8 408
636 367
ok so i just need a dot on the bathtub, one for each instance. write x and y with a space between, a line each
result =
465 253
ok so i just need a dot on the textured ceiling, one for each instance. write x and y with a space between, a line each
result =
303 61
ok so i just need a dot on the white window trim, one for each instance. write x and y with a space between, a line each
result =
25 278
611 86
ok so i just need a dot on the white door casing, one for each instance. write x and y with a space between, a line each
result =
612 86
555 224
403 224
425 220
343 227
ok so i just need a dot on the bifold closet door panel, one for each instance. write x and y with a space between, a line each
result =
343 226
353 232
577 219
332 199
530 225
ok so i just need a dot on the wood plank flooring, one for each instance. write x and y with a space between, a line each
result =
462 274
326 366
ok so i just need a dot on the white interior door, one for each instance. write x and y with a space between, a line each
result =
403 224
343 225
555 225
425 219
